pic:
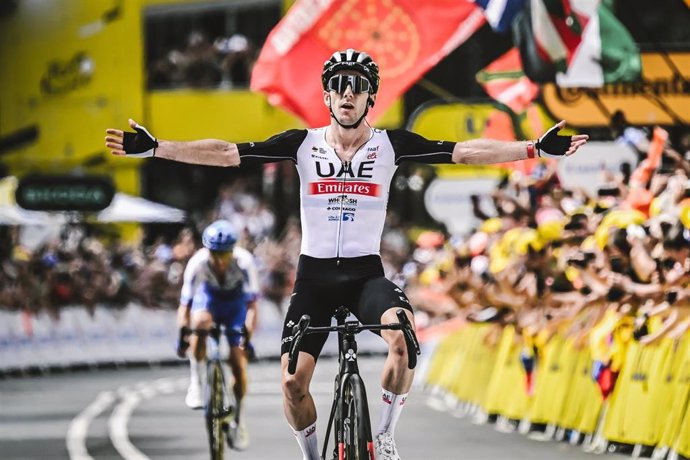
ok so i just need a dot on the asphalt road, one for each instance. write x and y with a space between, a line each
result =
138 414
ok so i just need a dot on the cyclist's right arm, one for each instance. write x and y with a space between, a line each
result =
214 152
191 280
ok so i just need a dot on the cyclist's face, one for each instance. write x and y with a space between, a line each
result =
221 259
348 106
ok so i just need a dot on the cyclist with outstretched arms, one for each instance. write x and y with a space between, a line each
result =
345 171
220 286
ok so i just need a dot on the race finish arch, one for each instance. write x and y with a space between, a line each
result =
662 97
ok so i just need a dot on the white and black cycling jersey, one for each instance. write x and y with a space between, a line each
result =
343 204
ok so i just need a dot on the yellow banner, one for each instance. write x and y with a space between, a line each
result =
661 97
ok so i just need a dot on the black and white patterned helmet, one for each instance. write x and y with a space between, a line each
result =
351 59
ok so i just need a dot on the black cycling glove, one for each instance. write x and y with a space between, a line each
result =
140 144
553 144
183 341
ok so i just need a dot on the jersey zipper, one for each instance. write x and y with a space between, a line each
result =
346 167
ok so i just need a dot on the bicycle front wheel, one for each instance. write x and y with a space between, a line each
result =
355 441
215 416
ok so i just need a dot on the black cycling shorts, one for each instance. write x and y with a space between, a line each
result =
323 285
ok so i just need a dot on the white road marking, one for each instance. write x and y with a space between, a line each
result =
78 429
117 424
128 397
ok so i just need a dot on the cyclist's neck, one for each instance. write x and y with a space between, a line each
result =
347 141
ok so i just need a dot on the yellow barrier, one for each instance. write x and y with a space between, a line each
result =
472 379
506 393
480 364
634 412
581 408
551 385
677 429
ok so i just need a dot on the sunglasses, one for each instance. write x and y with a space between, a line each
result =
339 84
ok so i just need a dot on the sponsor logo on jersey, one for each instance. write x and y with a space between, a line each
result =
318 157
363 170
310 431
387 399
372 152
348 216
341 187
338 208
343 200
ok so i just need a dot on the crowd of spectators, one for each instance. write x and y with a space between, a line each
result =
225 62
546 256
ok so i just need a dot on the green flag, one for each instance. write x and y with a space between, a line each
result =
607 53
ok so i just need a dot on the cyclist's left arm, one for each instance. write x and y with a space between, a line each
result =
413 147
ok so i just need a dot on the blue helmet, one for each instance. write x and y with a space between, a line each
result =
219 236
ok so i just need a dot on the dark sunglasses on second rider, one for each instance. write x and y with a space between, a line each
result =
339 84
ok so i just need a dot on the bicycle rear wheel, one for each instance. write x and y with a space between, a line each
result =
354 428
215 411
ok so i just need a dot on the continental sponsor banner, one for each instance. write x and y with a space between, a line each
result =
661 97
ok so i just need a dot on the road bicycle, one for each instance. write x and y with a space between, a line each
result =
350 411
219 403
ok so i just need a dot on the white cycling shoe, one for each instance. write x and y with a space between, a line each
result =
385 447
194 399
238 436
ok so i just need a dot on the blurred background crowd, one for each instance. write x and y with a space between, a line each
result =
540 252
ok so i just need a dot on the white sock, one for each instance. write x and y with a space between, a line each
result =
307 441
392 407
197 370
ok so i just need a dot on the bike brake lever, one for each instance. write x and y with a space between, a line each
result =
297 334
410 339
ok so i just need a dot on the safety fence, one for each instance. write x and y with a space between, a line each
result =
557 386
103 336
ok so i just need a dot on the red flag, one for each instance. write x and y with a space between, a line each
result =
405 37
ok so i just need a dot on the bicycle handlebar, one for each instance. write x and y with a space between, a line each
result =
302 328
297 333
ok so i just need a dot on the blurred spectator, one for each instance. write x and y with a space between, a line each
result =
226 62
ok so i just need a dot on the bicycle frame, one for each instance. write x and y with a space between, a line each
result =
218 407
348 371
